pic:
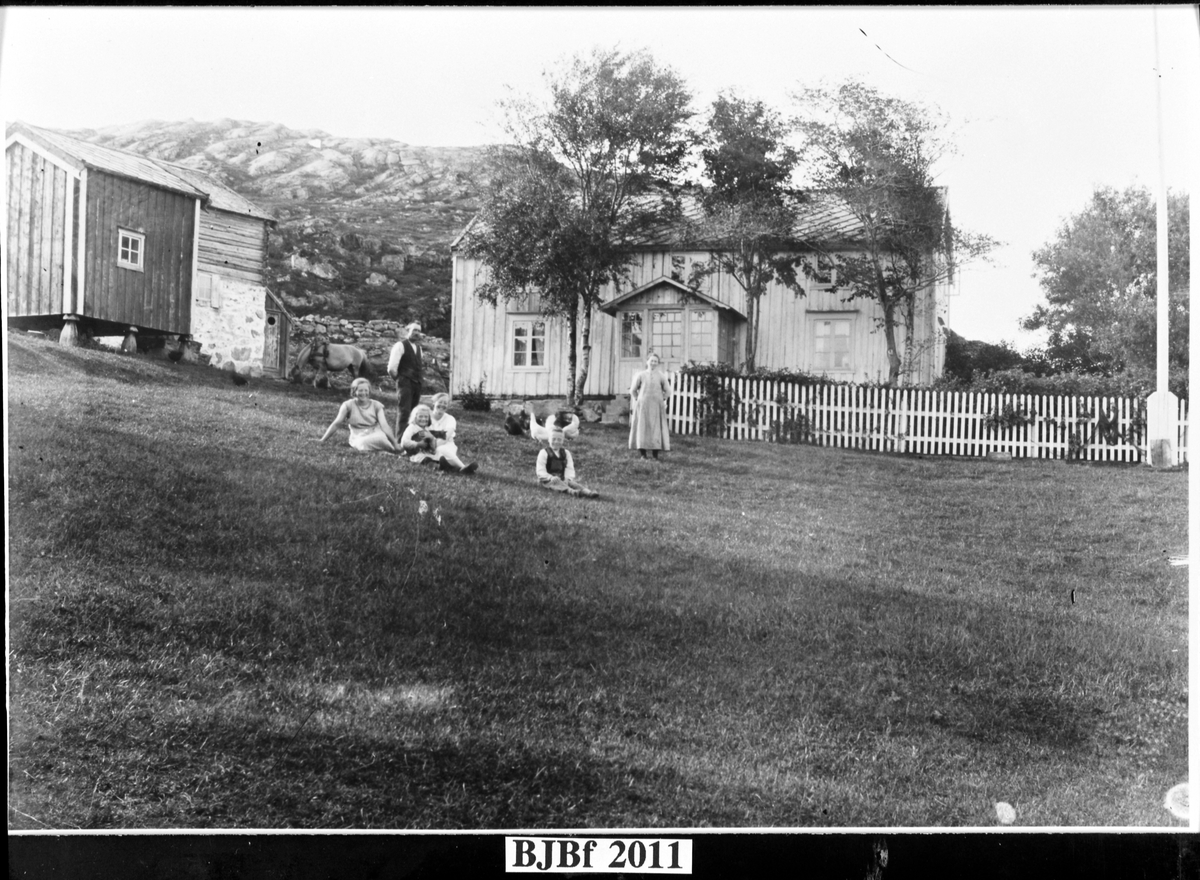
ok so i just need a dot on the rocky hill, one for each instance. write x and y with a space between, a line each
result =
365 224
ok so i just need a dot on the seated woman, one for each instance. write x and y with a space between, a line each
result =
442 425
419 444
369 429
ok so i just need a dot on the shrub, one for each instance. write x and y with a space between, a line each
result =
1128 383
472 397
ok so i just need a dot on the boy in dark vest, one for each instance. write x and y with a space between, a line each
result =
556 469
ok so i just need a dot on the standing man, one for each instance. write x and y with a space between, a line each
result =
404 365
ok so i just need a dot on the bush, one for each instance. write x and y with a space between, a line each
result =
967 358
1134 382
472 397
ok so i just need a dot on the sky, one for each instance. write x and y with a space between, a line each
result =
1045 103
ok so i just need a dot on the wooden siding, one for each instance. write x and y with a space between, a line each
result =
158 298
38 194
232 245
480 344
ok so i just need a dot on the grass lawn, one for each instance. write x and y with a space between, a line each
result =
218 622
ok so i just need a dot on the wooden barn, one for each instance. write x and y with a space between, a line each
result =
517 352
116 244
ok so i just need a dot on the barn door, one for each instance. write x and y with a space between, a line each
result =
274 340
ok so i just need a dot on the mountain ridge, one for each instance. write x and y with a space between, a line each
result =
364 224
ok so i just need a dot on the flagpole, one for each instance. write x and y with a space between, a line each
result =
1162 408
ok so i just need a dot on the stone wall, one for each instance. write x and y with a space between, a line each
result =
228 317
376 338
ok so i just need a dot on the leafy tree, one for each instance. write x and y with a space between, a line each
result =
968 358
874 156
567 197
1099 274
748 205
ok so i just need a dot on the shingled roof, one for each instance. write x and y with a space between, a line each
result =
821 218
156 172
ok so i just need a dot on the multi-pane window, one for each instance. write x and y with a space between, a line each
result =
631 334
666 335
529 344
831 345
131 250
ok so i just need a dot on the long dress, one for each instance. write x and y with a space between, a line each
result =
366 435
648 415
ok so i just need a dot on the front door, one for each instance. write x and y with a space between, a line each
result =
675 335
667 338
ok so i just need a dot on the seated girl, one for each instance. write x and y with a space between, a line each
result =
556 469
442 425
369 429
420 444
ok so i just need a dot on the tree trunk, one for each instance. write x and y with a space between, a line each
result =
586 348
889 334
572 333
909 346
751 330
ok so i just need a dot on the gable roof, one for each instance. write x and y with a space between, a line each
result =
220 196
79 154
610 307
821 218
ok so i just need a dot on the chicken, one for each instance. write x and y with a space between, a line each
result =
542 433
517 424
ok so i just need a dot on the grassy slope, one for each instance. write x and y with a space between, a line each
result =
218 622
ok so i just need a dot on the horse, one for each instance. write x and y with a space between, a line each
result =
324 356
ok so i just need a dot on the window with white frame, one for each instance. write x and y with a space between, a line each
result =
528 344
831 344
131 250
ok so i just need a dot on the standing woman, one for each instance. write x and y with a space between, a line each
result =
648 412
369 430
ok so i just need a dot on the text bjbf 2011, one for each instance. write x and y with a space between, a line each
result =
598 855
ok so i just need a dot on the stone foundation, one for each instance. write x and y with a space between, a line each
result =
229 323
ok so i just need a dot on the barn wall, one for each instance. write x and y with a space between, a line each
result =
232 245
229 302
158 298
36 235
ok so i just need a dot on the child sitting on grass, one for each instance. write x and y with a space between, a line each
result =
556 469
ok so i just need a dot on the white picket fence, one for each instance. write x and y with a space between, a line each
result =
910 420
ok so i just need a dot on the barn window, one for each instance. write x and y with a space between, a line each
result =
131 250
528 345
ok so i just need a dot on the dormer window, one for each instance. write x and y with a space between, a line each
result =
131 250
